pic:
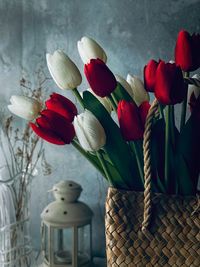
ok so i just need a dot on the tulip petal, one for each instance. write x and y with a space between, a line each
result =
129 121
25 107
169 87
143 110
89 131
47 135
150 75
63 70
125 85
52 126
89 49
187 51
100 78
62 105
139 93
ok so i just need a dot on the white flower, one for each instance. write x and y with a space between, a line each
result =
63 70
125 84
193 89
138 91
25 107
89 131
89 48
103 100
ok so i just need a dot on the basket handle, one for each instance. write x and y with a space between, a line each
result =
147 164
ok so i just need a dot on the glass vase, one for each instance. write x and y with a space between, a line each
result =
15 240
15 245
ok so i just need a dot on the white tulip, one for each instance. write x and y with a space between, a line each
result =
89 48
63 70
193 89
89 131
125 84
103 100
138 91
25 107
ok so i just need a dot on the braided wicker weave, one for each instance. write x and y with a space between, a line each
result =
166 235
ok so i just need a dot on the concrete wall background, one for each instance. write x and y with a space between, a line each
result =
131 32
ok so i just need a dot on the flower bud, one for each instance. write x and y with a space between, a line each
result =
140 95
89 49
62 105
25 107
129 120
187 51
89 131
100 78
53 128
150 75
63 70
169 87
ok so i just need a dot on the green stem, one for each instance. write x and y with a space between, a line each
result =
87 156
184 104
161 111
167 144
183 113
103 164
112 102
78 96
172 128
114 99
136 151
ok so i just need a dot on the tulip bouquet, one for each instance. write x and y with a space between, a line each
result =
115 148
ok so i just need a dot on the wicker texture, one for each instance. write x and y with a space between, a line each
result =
173 239
146 229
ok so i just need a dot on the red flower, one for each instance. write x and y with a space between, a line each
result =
129 120
61 105
100 78
150 75
54 128
169 87
187 51
143 110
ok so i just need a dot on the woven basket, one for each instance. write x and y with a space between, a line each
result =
145 229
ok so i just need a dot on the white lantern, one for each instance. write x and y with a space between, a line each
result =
67 228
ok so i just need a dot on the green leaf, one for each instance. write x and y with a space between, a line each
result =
189 149
185 184
158 155
116 148
121 94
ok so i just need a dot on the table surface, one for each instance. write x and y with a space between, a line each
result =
97 262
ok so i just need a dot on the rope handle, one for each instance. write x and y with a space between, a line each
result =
147 157
147 164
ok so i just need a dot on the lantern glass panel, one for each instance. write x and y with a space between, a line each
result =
84 246
63 243
46 241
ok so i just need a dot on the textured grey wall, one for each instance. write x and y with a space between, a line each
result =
131 32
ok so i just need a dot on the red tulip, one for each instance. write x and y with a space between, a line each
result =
100 78
143 110
129 120
54 128
150 75
187 51
169 87
62 105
